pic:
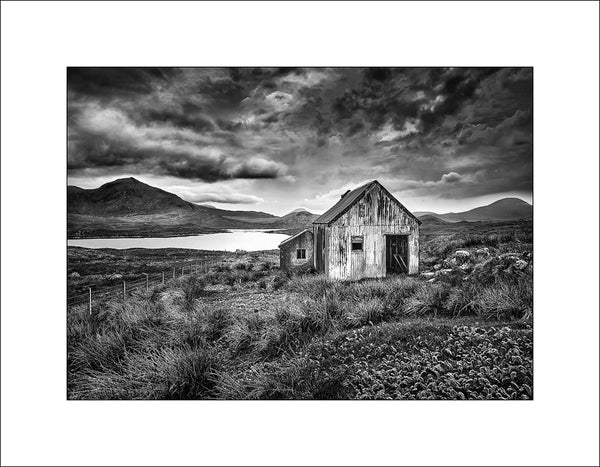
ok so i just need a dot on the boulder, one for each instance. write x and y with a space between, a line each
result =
114 277
521 264
483 251
462 254
74 275
437 267
509 256
428 274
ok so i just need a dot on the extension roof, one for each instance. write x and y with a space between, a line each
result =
295 236
348 200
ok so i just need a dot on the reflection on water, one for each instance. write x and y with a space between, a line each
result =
249 240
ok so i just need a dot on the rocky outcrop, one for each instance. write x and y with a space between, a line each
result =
480 265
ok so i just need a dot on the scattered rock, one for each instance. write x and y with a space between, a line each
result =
510 256
520 264
449 262
431 280
216 288
462 254
428 274
437 267
444 271
466 266
74 275
114 277
483 251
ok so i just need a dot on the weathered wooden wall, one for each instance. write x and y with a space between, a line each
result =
287 253
382 216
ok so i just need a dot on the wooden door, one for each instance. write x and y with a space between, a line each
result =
396 254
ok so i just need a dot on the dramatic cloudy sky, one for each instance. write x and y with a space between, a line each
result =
440 139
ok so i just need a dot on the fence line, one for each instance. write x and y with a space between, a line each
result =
144 284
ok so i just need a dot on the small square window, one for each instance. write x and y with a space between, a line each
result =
357 243
300 253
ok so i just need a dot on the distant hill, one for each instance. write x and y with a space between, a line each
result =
125 196
298 210
128 207
502 210
296 219
431 219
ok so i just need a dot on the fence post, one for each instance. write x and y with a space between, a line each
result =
146 274
163 277
90 292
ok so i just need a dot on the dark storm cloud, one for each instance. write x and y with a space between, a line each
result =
439 132
115 82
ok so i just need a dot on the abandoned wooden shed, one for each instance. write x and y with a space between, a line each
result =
297 252
367 233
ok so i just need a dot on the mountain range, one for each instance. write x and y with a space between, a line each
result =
128 207
506 209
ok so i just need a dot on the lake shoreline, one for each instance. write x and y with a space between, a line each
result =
230 240
107 237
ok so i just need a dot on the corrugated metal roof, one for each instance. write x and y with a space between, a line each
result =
348 200
295 236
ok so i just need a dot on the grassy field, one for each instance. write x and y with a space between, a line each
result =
245 330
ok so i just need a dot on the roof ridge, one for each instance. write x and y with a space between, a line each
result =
348 199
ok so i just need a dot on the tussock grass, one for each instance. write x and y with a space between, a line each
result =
181 373
186 341
287 378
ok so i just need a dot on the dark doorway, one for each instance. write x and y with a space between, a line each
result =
320 249
396 254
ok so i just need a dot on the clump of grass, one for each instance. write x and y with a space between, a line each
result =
428 299
180 373
460 301
288 378
215 323
244 332
312 286
393 291
264 266
279 281
192 287
366 311
242 266
504 300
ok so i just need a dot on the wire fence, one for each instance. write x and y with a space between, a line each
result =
143 285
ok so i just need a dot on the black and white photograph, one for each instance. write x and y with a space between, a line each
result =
300 233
